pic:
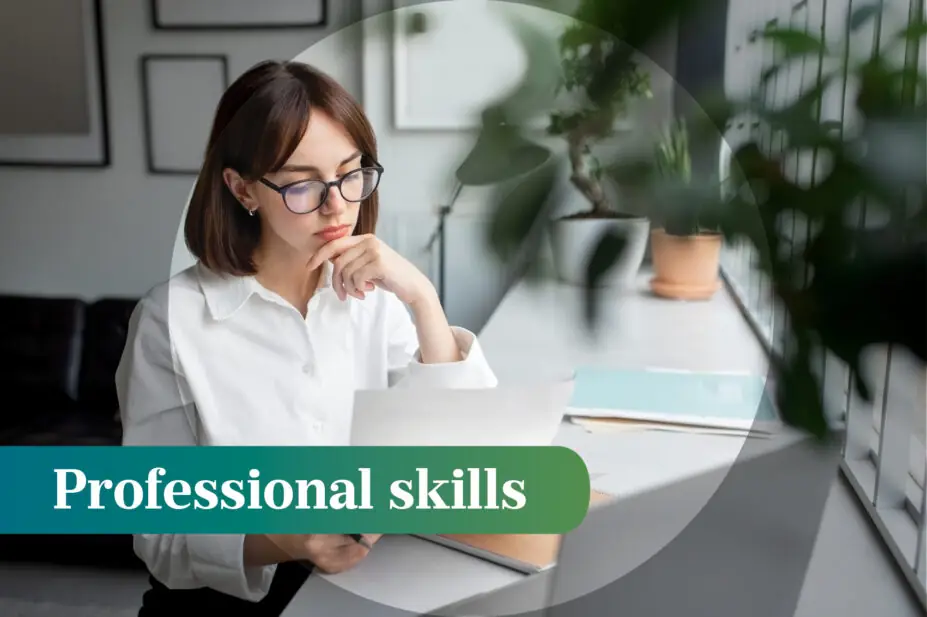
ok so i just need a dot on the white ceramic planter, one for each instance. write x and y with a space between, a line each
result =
572 243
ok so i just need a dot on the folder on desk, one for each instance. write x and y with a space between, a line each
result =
526 553
674 399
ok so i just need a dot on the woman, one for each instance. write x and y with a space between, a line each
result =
292 305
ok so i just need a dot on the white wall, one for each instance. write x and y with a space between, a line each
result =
114 231
92 233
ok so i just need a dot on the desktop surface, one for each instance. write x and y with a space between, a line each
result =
538 331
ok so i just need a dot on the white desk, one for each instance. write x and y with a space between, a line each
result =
536 333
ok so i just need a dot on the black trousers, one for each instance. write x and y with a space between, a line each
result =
159 601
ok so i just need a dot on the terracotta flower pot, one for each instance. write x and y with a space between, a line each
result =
685 267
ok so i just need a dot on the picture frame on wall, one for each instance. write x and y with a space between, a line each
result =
180 93
483 68
238 14
58 113
443 77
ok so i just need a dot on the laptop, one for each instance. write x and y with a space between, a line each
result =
582 550
510 415
723 542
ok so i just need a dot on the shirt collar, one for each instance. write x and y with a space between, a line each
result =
226 293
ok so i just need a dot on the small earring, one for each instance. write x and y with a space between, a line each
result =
251 212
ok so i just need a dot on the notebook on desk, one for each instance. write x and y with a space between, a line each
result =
526 553
673 399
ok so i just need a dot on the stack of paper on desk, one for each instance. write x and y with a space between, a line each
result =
526 553
672 400
622 425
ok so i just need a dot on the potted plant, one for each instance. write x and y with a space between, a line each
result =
583 124
685 249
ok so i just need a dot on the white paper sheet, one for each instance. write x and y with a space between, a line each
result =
528 415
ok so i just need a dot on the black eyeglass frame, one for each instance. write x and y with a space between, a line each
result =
328 186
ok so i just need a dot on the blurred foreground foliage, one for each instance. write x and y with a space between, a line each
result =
844 282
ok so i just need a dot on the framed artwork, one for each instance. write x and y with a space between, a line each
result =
238 14
54 112
444 76
180 93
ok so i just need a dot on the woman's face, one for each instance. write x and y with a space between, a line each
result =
325 153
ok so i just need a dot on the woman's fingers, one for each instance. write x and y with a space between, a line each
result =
372 537
352 285
349 255
333 553
330 250
365 274
339 281
342 557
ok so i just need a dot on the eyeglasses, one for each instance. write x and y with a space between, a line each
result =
305 196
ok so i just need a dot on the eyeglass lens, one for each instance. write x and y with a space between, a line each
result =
355 186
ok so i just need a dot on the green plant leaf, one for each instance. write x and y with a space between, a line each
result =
794 42
718 113
416 23
543 77
799 400
863 15
501 152
608 250
519 211
914 31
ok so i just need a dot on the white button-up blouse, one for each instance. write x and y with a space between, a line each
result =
220 360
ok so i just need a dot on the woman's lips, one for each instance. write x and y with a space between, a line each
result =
333 233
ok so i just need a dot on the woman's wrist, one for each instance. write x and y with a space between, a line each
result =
426 298
436 340
264 550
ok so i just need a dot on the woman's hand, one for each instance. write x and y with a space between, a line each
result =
330 553
362 262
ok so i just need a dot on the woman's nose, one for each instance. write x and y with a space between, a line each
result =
334 202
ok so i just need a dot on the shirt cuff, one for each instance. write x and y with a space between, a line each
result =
218 561
472 371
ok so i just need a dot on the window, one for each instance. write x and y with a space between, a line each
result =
884 458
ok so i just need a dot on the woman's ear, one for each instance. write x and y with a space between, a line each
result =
240 188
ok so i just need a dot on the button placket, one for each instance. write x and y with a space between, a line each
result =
315 407
309 358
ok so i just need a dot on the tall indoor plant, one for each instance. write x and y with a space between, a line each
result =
586 123
685 247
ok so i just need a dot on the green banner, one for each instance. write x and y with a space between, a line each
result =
389 490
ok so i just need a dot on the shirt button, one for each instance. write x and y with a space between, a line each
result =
307 368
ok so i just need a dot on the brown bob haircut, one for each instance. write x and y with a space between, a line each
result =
259 122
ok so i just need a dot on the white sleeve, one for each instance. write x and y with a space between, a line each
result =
157 410
404 360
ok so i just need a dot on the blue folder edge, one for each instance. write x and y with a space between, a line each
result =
665 395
